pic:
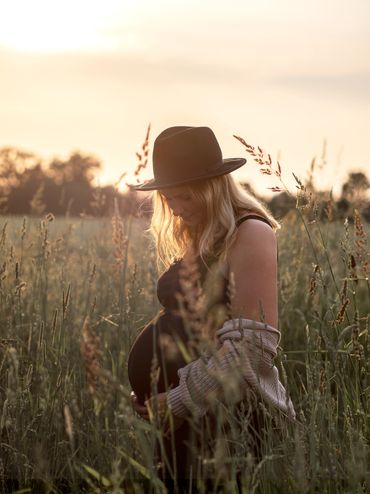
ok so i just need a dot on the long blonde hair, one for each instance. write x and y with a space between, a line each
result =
223 201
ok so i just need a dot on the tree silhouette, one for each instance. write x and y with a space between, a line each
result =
21 174
78 168
63 186
356 187
73 180
13 163
280 204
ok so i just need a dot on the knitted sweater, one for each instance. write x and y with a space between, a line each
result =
243 360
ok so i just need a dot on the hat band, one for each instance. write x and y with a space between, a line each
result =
176 175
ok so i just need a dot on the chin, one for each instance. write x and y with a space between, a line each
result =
189 221
193 220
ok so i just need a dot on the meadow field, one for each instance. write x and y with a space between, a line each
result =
73 295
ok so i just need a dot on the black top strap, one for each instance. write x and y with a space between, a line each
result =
252 217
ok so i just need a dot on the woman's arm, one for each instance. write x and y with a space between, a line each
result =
253 269
245 359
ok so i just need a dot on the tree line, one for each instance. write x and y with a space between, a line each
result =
28 186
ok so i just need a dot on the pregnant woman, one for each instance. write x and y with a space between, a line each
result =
216 337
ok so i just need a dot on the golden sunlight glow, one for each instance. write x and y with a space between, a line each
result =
90 74
55 26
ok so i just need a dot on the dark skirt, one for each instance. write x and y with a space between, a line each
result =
217 446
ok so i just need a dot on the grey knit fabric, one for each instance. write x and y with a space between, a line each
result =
243 360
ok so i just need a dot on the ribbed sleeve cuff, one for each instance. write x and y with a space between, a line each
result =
175 403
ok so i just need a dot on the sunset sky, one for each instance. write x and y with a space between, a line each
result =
283 74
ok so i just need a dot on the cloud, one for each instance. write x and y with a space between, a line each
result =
354 86
143 69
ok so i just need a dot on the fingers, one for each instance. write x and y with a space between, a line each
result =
153 407
157 407
133 397
140 409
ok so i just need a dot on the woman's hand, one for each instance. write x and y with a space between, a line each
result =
156 407
139 409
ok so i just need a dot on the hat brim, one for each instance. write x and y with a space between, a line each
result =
226 166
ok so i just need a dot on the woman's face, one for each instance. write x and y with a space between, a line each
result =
182 204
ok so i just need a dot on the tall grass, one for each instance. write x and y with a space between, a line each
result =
73 295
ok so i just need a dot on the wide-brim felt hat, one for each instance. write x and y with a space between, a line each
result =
182 155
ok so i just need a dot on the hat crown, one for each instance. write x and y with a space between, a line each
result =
185 153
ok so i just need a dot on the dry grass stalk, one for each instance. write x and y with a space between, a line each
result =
92 274
362 252
20 288
99 199
68 422
168 347
188 299
154 375
49 217
44 235
367 343
3 272
267 167
344 303
264 161
231 290
357 348
313 280
191 300
3 234
119 238
142 157
37 203
352 264
329 209
340 315
92 355
24 229
65 301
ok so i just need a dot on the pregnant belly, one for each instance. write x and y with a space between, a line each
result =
155 356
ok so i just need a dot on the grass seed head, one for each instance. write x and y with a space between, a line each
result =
142 157
340 315
362 252
92 355
119 238
191 296
68 422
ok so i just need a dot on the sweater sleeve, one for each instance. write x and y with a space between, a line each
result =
201 381
245 359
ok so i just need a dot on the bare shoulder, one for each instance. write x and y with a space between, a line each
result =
254 239
252 261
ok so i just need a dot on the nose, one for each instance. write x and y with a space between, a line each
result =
177 209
